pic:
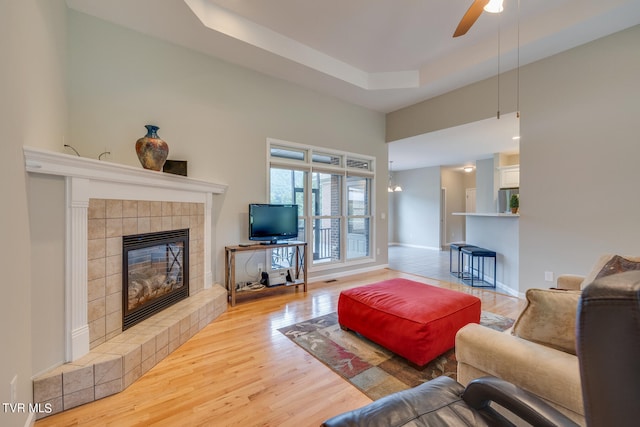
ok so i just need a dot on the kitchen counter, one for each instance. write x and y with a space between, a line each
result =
492 231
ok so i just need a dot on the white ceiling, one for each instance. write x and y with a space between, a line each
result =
381 54
458 146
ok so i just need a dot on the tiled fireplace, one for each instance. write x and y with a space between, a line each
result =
106 202
108 221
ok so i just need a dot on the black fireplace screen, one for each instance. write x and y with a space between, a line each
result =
155 273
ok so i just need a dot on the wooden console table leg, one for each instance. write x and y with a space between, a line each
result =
230 275
233 279
302 263
305 264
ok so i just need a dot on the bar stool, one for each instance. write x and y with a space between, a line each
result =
457 247
479 255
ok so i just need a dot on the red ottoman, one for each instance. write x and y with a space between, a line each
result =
417 321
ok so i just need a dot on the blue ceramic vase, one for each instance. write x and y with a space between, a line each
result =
151 150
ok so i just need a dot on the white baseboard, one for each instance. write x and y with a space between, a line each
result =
406 245
333 276
507 290
503 288
31 420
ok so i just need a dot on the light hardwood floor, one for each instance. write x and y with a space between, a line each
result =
239 370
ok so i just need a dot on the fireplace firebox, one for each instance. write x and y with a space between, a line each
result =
155 276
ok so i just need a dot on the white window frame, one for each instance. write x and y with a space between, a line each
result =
307 165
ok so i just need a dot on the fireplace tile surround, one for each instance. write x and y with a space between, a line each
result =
105 201
114 365
108 221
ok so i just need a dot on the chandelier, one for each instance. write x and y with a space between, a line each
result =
392 188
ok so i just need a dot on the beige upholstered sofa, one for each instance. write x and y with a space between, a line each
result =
538 352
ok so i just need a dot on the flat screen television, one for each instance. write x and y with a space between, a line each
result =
269 223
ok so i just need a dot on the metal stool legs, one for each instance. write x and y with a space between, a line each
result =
478 254
459 272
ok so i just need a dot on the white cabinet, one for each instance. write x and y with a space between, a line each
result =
509 176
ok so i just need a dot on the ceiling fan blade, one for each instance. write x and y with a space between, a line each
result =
473 13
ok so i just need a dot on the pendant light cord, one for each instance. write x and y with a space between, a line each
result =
499 24
518 68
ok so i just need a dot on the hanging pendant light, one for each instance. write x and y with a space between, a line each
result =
392 188
498 76
516 137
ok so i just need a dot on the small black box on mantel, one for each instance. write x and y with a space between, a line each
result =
176 167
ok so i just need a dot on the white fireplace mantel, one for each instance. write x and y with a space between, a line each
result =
51 163
93 179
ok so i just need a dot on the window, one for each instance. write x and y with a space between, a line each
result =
327 158
358 191
287 187
326 212
333 192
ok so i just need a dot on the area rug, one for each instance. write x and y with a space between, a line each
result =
374 370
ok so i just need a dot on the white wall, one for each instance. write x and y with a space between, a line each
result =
468 104
32 112
485 186
579 158
46 195
415 212
417 207
455 183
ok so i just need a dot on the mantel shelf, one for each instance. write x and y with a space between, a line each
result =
51 163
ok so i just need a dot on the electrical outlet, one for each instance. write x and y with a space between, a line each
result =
14 389
548 276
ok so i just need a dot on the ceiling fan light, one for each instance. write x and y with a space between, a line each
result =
494 6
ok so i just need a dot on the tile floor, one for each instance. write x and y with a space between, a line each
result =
424 262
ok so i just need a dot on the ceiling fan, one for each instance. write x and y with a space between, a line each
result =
474 12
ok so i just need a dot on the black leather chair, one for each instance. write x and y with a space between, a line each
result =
608 346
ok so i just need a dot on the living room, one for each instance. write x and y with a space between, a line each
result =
75 79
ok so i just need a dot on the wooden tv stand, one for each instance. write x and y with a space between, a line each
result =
299 269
